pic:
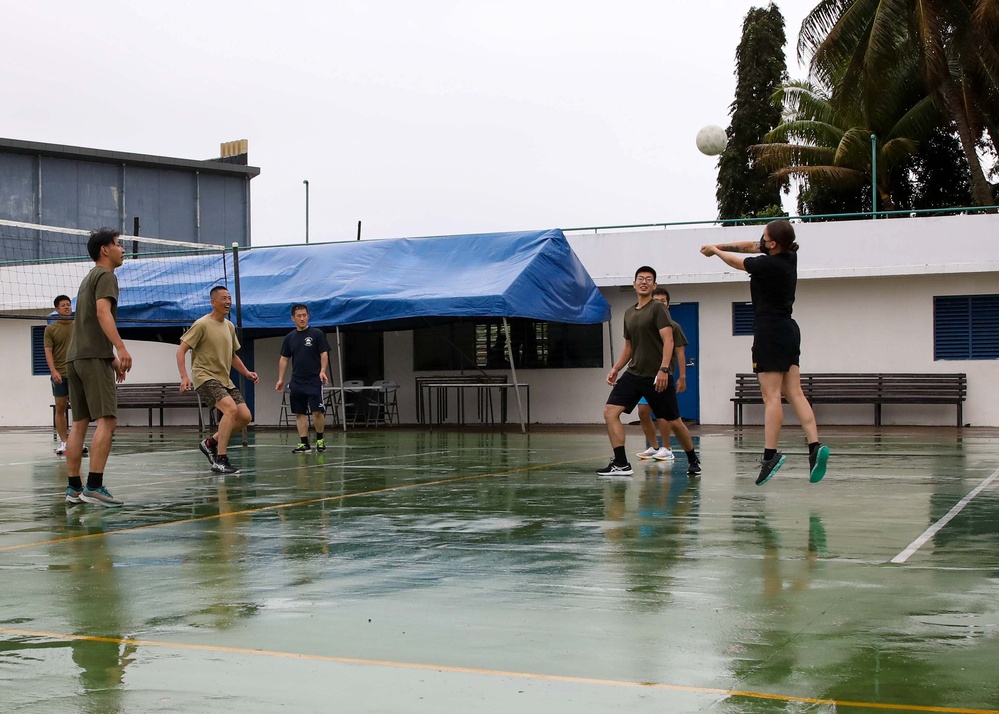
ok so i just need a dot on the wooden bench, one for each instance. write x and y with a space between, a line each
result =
875 389
158 395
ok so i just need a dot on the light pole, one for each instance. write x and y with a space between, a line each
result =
306 182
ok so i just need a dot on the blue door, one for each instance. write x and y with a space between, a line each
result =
690 400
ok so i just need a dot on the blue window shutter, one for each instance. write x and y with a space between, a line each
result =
38 364
742 318
985 327
966 327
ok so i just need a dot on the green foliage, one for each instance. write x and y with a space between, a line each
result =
745 189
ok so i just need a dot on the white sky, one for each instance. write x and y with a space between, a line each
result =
417 117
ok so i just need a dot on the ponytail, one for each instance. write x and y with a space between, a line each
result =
782 233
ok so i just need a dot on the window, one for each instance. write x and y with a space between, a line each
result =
742 318
482 345
966 327
38 364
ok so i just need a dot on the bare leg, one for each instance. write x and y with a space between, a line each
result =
770 386
664 430
796 398
61 422
100 446
74 447
302 422
645 417
319 421
682 434
615 429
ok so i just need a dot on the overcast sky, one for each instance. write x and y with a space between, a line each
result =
417 117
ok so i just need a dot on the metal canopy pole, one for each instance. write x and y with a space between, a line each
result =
513 370
339 365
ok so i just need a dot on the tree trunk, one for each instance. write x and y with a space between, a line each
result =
981 189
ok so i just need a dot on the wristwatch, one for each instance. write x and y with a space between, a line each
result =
664 369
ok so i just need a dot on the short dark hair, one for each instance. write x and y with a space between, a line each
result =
59 299
646 269
98 239
661 291
299 306
211 293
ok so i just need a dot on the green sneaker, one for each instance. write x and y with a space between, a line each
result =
301 449
320 445
817 463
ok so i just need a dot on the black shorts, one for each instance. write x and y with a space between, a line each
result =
630 388
776 346
306 398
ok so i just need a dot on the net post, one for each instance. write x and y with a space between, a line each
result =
239 319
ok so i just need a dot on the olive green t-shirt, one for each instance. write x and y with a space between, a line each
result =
89 340
641 328
679 340
56 337
212 344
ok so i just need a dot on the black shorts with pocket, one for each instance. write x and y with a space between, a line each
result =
776 345
630 388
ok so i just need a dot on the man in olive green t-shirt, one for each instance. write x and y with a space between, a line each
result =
56 342
212 342
92 369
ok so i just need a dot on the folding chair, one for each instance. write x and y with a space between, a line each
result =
388 401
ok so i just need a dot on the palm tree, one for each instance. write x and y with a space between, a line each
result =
859 43
823 144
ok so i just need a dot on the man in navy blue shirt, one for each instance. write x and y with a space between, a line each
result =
309 352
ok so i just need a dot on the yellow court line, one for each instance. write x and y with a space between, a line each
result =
279 506
497 673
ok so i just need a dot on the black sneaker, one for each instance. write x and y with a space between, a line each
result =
768 467
614 469
221 465
817 464
301 449
694 467
85 451
320 445
210 451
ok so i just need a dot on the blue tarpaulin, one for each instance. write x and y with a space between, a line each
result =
528 274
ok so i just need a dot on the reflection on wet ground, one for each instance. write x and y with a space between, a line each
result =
403 571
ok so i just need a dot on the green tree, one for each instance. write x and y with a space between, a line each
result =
828 146
744 189
856 44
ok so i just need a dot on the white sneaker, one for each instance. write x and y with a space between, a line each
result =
663 454
649 453
62 448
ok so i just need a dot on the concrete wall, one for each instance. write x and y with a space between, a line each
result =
864 303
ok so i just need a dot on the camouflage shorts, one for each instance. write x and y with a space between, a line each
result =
212 391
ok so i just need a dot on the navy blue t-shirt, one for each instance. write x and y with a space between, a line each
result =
305 348
772 282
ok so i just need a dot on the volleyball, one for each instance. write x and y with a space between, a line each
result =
711 140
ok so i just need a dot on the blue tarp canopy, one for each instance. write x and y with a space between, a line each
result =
383 284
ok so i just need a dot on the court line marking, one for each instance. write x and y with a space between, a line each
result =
130 641
279 506
951 514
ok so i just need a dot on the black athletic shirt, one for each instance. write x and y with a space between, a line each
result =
305 347
772 280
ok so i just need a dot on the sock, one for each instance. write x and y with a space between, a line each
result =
769 454
211 441
304 439
691 456
813 446
76 482
619 458
95 480
319 436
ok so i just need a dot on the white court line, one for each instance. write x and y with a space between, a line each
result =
932 530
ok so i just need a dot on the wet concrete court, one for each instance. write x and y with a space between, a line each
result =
404 571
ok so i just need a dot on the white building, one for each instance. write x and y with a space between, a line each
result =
866 296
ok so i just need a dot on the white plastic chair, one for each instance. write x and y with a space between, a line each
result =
388 401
